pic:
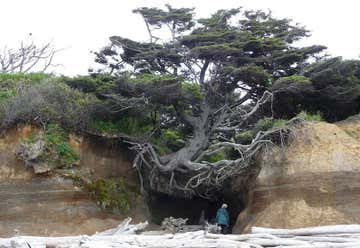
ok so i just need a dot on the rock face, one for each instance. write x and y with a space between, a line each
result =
51 205
316 181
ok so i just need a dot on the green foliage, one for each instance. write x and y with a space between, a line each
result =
216 157
90 83
278 123
257 51
147 78
252 74
193 89
309 116
48 101
24 77
58 151
331 86
334 71
296 79
214 51
267 123
135 126
110 193
6 94
264 124
168 140
105 126
11 82
244 137
179 19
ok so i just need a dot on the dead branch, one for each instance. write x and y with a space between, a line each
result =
28 57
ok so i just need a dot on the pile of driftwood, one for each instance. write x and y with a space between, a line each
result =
126 236
178 225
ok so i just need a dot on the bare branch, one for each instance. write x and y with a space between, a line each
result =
27 58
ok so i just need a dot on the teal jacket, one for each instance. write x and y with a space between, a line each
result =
222 217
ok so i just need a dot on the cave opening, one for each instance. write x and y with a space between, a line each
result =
196 210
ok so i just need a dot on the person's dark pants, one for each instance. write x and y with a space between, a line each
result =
224 229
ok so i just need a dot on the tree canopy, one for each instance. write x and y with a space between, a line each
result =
330 86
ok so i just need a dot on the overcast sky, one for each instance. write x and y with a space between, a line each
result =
80 26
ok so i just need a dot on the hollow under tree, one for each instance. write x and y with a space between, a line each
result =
210 78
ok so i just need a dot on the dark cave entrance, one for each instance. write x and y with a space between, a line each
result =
162 206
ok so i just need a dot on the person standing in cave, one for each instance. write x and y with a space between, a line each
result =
222 218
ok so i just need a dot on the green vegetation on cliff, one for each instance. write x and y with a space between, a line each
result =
49 149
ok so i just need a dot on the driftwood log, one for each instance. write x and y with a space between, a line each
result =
125 236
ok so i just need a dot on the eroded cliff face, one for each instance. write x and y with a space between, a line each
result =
315 181
50 204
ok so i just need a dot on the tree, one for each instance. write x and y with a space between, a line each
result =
330 86
207 84
28 57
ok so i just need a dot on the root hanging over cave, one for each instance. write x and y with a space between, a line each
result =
187 172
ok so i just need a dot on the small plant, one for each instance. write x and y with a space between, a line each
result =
216 157
58 150
244 137
110 193
106 126
309 116
264 124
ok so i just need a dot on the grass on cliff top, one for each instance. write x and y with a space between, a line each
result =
268 123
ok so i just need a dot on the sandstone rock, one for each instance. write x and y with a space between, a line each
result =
316 181
30 153
50 205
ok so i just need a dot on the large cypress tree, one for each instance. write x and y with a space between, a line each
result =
209 79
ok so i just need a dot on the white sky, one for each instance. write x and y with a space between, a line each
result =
84 25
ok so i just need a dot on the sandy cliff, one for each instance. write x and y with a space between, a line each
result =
316 181
51 205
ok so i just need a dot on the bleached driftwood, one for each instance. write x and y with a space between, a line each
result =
124 236
125 228
336 229
172 224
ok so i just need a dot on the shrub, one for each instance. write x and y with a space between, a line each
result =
136 126
90 83
309 116
58 148
216 157
168 140
264 124
29 78
49 149
110 193
49 101
244 137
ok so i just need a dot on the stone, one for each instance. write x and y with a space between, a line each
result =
50 205
30 154
315 181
